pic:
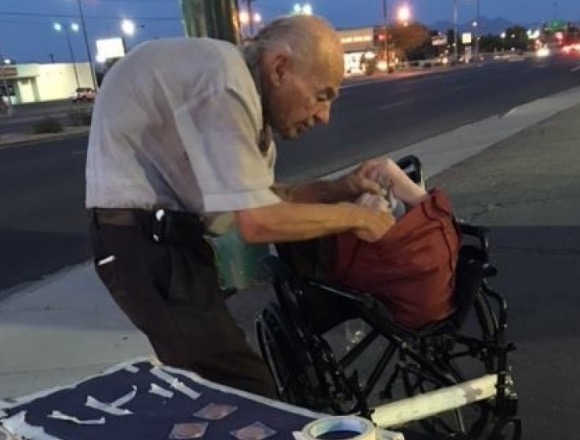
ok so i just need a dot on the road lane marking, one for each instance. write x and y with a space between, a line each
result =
358 84
575 69
395 104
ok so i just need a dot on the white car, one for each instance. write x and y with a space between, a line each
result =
83 94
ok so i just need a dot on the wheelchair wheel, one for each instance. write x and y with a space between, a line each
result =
289 366
488 327
467 422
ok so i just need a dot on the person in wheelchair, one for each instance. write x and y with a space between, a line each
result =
411 269
422 290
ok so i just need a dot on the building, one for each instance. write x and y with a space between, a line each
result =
356 42
365 50
26 83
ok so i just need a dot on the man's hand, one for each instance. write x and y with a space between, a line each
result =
357 182
375 225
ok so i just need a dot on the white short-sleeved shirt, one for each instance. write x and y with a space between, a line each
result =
176 125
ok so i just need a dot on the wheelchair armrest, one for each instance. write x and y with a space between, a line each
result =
412 166
478 232
359 297
473 230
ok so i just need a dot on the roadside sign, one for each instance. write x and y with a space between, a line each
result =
466 37
439 40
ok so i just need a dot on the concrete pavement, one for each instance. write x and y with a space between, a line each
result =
526 185
18 138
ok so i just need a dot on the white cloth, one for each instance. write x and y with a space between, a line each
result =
176 125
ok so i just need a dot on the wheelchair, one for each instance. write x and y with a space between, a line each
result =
295 339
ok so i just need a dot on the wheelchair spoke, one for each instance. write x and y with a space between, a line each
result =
469 420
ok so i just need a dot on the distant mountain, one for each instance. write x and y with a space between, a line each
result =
487 26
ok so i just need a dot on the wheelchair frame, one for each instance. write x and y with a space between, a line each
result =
307 372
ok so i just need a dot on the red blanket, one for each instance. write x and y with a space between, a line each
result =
411 268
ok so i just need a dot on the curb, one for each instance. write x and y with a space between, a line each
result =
40 138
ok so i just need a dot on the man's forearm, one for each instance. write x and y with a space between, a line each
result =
320 191
295 222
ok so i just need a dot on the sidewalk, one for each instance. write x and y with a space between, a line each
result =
16 138
66 327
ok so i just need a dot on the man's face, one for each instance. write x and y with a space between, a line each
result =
303 99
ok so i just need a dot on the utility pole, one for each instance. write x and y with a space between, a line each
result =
90 57
477 24
212 18
455 42
250 17
386 39
72 56
6 88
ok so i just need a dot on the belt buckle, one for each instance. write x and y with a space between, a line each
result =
159 218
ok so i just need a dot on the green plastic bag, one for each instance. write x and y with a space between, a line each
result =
238 262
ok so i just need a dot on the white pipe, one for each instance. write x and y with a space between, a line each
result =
434 402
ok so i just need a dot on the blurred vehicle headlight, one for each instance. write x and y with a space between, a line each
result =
382 65
369 55
543 52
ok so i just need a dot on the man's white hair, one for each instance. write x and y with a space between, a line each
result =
294 35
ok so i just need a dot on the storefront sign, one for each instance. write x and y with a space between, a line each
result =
8 72
110 48
439 40
358 39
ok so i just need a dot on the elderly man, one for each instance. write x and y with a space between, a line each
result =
181 147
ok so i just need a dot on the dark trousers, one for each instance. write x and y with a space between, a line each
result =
170 292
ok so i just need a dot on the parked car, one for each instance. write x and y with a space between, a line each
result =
83 94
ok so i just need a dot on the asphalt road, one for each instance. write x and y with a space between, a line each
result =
377 117
42 218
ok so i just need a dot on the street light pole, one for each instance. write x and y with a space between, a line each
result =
84 26
72 56
250 17
60 28
477 24
6 90
386 37
455 43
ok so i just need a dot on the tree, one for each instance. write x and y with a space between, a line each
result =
412 39
491 43
516 37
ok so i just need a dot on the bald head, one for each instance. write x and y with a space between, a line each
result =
309 41
298 65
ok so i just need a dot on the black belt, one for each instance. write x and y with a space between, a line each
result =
161 225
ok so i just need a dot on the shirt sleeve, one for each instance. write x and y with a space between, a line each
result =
220 131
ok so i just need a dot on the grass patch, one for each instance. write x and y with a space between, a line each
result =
47 125
80 117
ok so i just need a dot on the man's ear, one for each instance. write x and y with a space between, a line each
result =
281 65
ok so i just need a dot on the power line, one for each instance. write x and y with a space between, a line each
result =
137 1
20 21
92 17
121 1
